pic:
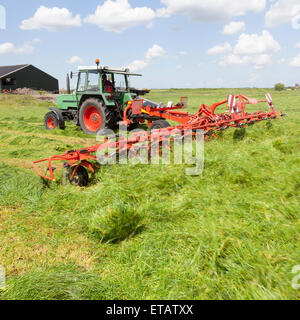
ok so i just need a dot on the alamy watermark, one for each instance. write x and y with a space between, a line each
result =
296 279
141 147
2 18
2 277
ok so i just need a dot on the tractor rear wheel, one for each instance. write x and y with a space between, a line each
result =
51 121
159 124
94 116
80 178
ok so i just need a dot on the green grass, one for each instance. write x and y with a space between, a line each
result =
152 232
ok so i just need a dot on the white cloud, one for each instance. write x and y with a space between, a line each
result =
284 11
298 45
155 52
258 61
25 48
117 16
256 44
235 59
6 48
152 54
36 40
252 49
178 67
261 60
183 53
75 60
51 19
295 62
10 48
234 27
208 10
226 47
282 60
137 65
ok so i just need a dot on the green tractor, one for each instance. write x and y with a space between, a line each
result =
98 102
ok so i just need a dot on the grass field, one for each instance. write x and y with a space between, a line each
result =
152 232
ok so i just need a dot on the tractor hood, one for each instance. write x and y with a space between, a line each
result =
65 101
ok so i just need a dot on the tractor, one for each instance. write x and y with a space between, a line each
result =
98 102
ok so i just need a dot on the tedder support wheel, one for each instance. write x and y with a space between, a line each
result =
80 177
94 116
159 124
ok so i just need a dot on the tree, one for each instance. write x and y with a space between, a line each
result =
279 86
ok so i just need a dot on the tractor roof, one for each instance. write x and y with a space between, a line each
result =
108 69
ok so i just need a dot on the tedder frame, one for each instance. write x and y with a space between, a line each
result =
205 119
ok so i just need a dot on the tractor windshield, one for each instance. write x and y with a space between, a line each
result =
93 81
81 81
120 82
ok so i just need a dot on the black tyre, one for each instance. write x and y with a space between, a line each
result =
62 125
94 116
80 178
133 126
51 121
159 124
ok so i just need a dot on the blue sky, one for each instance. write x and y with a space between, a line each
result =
173 43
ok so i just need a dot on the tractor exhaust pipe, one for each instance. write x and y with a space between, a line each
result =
68 84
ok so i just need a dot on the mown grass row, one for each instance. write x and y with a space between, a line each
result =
152 231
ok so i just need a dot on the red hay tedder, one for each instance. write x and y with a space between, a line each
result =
206 120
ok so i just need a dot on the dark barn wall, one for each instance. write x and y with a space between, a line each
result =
33 78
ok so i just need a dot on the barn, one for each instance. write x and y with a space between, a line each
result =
26 76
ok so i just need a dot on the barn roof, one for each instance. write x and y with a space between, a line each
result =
6 70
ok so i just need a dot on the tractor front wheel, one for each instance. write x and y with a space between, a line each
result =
51 121
80 178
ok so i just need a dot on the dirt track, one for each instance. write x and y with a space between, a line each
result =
39 95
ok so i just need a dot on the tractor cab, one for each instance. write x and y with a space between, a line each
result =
112 84
98 101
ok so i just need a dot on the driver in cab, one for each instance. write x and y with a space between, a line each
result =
106 84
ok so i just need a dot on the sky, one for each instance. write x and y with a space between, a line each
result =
173 43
